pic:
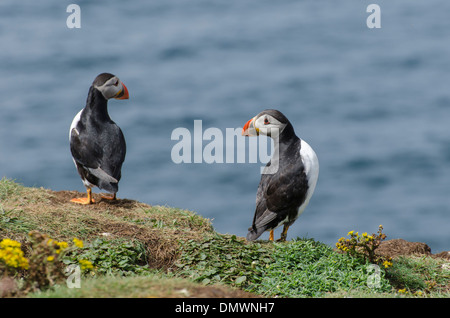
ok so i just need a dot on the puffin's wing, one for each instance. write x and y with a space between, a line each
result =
287 190
264 220
86 153
277 195
263 216
114 153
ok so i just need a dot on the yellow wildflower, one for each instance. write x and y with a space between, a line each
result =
78 243
350 233
50 258
85 264
12 255
62 245
9 243
386 264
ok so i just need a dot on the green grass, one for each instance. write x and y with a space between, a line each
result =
153 284
306 268
300 268
415 274
9 188
140 250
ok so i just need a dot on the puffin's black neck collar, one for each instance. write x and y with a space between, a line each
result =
97 104
288 135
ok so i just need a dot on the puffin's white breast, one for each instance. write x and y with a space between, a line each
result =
75 121
311 164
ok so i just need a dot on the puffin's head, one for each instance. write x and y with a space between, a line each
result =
110 86
269 122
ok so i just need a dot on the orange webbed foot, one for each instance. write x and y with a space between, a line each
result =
107 197
84 201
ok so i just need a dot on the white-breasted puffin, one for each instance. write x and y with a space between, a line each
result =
97 144
289 178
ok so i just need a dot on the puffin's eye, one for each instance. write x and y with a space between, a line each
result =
266 121
116 83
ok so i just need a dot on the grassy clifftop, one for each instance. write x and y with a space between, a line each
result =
139 250
25 209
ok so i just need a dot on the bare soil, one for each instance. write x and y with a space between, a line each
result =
400 247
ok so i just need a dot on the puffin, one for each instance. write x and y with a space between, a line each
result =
97 144
287 181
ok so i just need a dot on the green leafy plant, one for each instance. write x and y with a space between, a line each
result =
109 256
293 269
306 268
224 259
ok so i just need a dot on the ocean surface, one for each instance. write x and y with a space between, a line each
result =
373 103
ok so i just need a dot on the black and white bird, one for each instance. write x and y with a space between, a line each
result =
97 144
289 178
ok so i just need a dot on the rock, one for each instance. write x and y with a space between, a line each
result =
397 247
8 287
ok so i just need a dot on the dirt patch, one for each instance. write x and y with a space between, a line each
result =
400 247
162 250
397 247
445 255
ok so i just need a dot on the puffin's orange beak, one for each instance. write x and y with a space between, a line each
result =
249 128
123 94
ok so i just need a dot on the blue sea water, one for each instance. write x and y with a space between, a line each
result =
373 103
